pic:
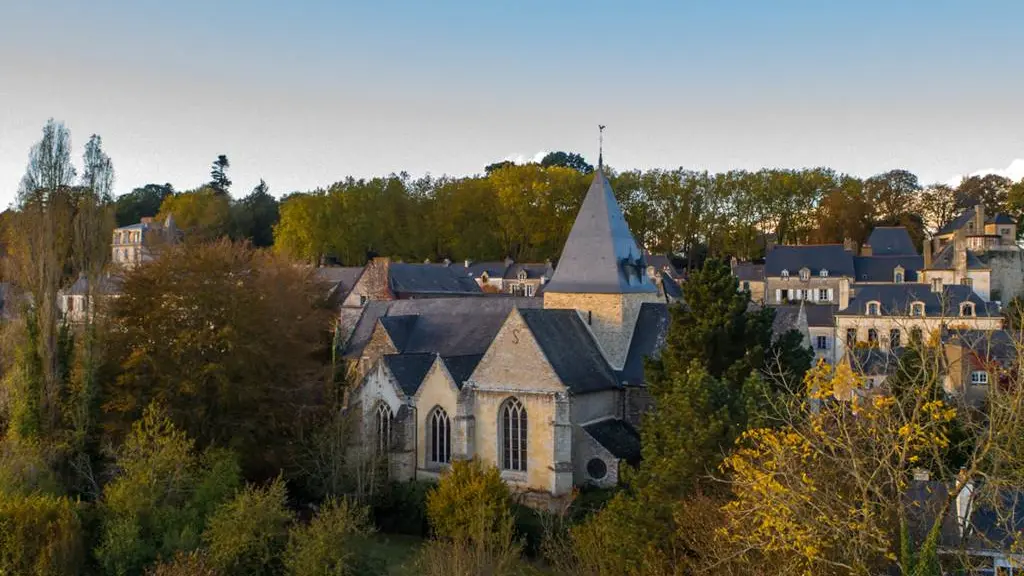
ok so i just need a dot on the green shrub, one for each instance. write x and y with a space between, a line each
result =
487 552
191 564
470 499
24 469
333 543
401 507
247 535
40 535
159 502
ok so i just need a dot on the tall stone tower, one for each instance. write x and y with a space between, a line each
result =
602 273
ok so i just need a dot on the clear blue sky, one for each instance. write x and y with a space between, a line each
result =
303 93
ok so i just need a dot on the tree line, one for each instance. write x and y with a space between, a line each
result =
526 211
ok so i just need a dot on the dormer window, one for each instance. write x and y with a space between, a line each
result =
823 273
805 274
784 274
874 309
897 277
967 309
917 308
522 274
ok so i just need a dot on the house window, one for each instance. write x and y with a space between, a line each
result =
917 309
967 309
969 282
936 284
513 435
784 274
522 275
383 419
823 273
979 377
898 278
1004 231
874 309
440 437
529 290
872 336
805 274
822 342
746 286
823 295
894 338
851 337
916 336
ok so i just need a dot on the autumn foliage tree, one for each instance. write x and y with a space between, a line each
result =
227 338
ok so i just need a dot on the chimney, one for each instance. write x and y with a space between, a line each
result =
960 254
979 218
850 245
927 253
509 261
964 500
467 262
866 250
844 293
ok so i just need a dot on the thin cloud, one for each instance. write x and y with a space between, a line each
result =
523 159
1015 172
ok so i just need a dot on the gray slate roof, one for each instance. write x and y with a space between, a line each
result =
962 220
448 326
748 271
989 529
340 280
412 279
570 349
461 367
996 345
895 300
618 437
477 269
409 369
815 257
881 268
891 241
600 255
944 259
648 339
875 361
533 271
820 315
671 287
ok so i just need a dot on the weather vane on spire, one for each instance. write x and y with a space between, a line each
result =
600 146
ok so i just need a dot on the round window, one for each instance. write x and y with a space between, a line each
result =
597 469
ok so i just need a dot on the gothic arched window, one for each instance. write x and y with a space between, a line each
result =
382 420
513 435
440 436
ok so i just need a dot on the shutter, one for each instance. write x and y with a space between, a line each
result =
830 295
778 295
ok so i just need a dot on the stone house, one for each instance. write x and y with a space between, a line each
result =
889 316
548 389
974 360
888 257
817 274
751 278
74 301
383 280
137 243
995 232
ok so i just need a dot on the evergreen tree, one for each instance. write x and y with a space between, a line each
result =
218 175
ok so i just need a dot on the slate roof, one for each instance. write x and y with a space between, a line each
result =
107 285
787 317
618 437
989 529
648 339
749 272
399 328
661 262
891 241
962 220
409 279
340 279
533 271
895 300
815 257
671 287
570 349
881 268
600 255
461 367
944 259
820 315
409 369
477 269
995 345
448 326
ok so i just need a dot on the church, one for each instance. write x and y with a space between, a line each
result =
548 389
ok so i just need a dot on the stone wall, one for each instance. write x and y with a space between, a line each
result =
372 284
596 406
611 318
438 390
1007 275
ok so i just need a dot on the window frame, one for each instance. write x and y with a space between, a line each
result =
513 436
982 378
968 306
439 426
384 419
873 308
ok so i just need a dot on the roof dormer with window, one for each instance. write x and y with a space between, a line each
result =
873 308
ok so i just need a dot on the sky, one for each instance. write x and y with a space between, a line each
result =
304 93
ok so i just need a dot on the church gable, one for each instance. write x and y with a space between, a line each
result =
378 346
515 361
438 384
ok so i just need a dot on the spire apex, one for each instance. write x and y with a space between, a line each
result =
600 146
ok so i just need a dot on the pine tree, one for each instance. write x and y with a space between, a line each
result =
218 175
